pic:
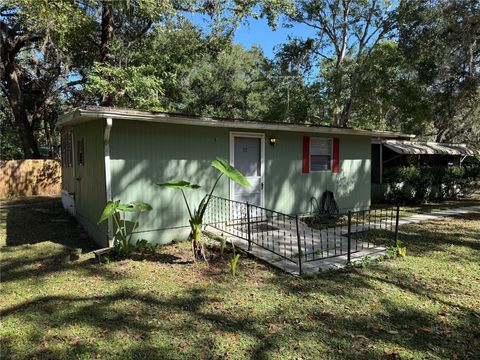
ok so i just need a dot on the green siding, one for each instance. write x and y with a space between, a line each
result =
144 154
67 179
89 182
288 190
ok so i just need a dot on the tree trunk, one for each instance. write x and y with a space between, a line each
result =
345 115
15 98
10 45
440 136
105 55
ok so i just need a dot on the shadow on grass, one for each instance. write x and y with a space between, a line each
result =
161 258
354 314
40 219
194 333
101 313
37 263
50 242
40 261
428 236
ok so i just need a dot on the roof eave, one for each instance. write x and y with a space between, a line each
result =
79 115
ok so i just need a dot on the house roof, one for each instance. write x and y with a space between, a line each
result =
90 113
430 148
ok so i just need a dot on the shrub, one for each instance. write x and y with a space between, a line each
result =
415 185
401 174
122 240
408 184
471 179
451 180
472 172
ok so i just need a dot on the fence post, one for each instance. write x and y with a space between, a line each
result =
249 235
396 224
349 236
299 246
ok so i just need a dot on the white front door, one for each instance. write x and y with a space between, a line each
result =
247 155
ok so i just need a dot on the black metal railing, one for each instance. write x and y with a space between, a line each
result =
301 238
325 237
265 228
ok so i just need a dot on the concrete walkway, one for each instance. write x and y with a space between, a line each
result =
436 214
324 249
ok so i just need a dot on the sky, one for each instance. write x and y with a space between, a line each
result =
257 32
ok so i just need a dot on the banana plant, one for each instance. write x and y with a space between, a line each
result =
118 211
196 216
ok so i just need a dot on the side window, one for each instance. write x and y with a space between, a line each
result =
64 151
320 154
67 154
80 153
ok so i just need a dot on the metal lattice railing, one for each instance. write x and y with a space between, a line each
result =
268 229
300 239
331 236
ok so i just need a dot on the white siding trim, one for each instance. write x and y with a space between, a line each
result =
108 175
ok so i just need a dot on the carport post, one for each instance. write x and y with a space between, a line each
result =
396 225
349 236
249 235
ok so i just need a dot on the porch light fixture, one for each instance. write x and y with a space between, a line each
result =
273 140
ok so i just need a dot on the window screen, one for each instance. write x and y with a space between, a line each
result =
67 152
80 153
320 154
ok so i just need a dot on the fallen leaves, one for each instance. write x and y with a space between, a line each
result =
425 308
392 332
393 353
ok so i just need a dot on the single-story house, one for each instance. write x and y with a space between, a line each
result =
121 154
388 153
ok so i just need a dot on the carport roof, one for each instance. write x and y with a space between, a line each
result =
90 113
430 148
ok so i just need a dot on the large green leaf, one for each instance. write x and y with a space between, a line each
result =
225 168
179 184
141 206
126 207
109 210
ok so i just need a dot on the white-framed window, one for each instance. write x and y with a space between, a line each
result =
320 154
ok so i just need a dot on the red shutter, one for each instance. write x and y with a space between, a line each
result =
306 155
336 156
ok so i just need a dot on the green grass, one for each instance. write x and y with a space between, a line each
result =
409 210
426 306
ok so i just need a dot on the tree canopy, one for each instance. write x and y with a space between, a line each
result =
409 66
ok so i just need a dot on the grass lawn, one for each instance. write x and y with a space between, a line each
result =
425 306
409 210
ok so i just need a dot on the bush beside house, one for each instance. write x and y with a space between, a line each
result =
416 185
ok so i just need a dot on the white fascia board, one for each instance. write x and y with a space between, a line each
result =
82 115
